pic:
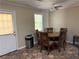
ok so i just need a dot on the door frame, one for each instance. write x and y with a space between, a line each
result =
13 21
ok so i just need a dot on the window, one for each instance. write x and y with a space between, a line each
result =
38 22
6 25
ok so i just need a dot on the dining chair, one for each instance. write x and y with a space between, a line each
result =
49 29
62 37
45 41
61 40
38 38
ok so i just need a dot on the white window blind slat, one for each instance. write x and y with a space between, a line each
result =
6 25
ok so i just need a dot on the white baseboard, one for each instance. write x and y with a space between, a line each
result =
21 47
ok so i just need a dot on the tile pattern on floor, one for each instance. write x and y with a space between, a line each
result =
71 52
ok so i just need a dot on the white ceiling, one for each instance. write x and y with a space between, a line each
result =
48 4
43 4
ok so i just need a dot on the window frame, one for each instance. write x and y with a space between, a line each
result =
42 20
13 19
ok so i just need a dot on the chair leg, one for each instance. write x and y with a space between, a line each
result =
78 49
64 44
59 49
48 50
37 44
41 49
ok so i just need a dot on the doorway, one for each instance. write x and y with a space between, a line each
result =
7 32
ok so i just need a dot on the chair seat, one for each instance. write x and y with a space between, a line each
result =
50 42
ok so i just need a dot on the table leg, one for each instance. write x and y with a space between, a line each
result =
74 40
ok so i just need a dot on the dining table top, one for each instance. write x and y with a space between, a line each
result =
53 34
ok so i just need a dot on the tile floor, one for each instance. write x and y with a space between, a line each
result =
71 52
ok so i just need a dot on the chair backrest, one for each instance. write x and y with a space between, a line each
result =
38 37
37 34
63 29
49 29
44 38
63 35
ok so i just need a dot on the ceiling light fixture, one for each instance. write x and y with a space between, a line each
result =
40 0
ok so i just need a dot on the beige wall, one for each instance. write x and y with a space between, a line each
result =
46 19
66 18
24 22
